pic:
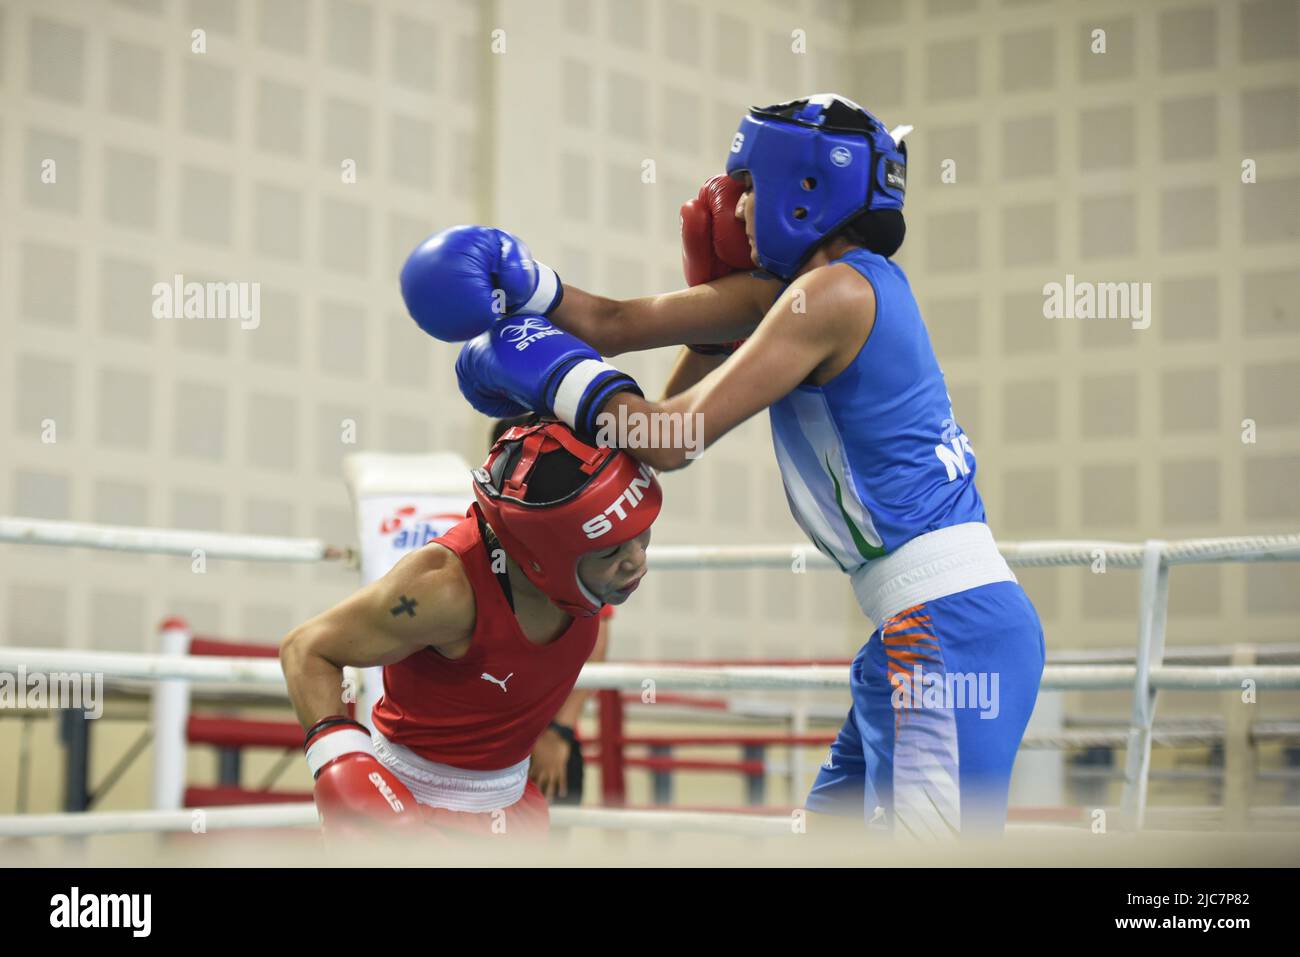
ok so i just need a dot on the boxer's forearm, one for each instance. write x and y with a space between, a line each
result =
593 319
690 368
315 684
719 311
615 326
628 407
571 710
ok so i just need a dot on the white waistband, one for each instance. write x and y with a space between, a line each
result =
441 785
930 566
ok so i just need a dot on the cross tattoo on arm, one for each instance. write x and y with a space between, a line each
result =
406 606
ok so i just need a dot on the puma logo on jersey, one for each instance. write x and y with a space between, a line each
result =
631 496
498 681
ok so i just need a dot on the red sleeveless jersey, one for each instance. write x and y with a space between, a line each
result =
485 711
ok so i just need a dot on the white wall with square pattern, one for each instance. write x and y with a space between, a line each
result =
583 125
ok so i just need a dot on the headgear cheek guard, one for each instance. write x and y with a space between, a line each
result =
815 165
616 499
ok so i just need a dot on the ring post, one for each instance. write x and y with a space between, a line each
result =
1153 610
170 717
613 786
1240 759
74 731
661 778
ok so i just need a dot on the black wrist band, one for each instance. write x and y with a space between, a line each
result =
330 722
564 731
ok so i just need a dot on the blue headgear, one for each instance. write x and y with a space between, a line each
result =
815 164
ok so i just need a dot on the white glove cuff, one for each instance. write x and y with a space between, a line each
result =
333 745
543 297
574 385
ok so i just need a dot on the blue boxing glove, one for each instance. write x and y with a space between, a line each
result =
458 281
524 363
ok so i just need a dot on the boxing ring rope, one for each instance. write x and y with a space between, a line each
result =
168 541
304 815
1145 677
171 670
126 538
614 676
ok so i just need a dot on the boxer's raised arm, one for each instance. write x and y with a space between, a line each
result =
690 368
719 311
424 600
821 321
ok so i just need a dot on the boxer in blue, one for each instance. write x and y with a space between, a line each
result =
877 471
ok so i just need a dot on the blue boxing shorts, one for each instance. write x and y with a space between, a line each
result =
942 693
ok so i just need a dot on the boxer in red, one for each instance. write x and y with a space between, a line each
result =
481 634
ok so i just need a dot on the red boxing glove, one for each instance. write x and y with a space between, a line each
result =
355 794
714 243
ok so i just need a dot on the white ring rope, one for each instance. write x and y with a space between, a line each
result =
33 531
717 822
634 677
87 823
1153 557
1250 548
1204 734
166 541
158 822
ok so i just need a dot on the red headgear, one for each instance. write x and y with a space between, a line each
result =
618 500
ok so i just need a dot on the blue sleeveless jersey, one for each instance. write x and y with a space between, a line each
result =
875 457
